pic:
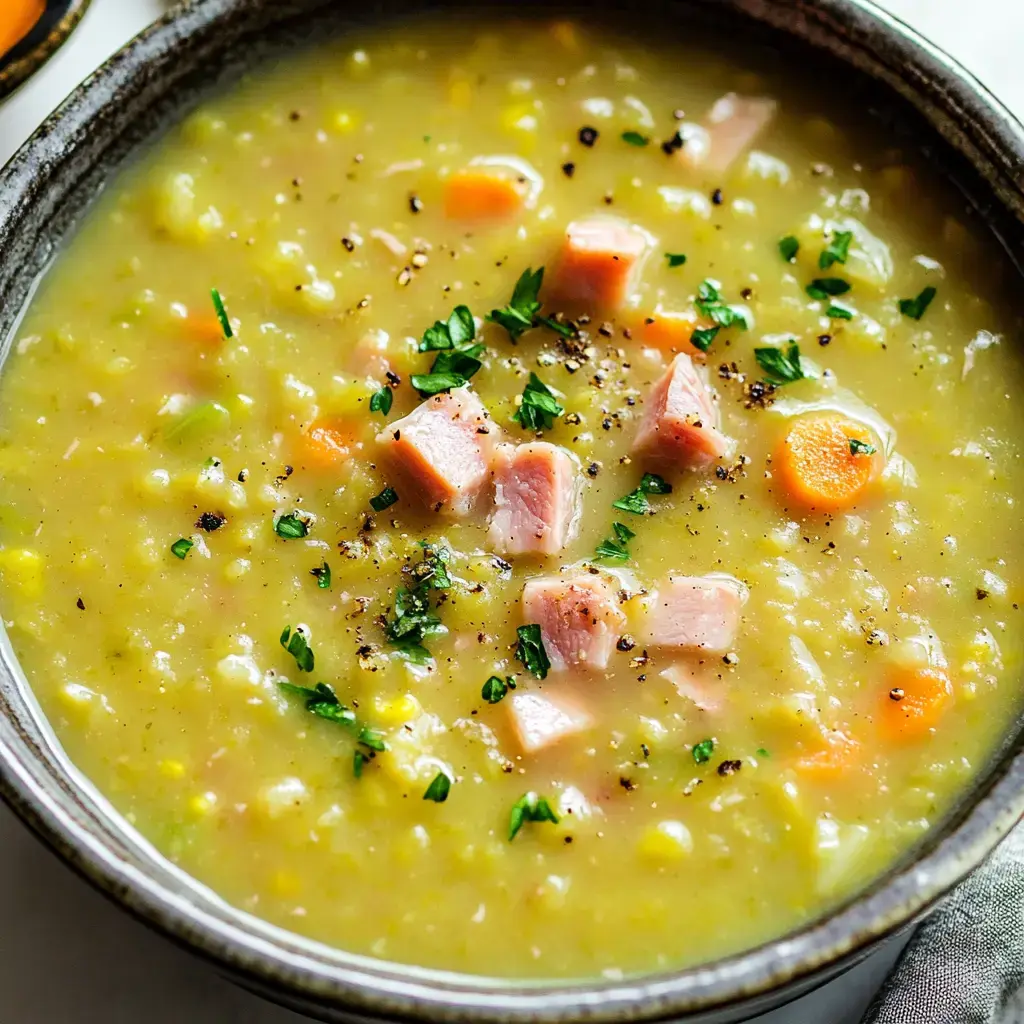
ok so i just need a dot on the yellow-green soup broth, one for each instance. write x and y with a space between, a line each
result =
196 518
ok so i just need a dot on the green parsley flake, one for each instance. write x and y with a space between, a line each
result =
617 548
702 751
636 501
539 406
858 447
529 807
780 366
837 250
439 789
495 689
914 308
675 259
635 138
384 500
530 650
358 760
291 527
459 329
709 303
428 384
414 619
222 313
298 647
518 316
323 576
789 247
181 547
702 337
322 701
380 401
822 287
761 752
837 311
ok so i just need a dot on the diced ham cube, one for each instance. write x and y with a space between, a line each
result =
695 612
730 128
696 683
443 449
579 619
599 263
680 424
542 720
536 498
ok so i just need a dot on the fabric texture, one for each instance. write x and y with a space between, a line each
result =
966 961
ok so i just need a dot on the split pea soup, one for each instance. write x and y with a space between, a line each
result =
520 498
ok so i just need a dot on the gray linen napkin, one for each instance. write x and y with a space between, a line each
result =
966 961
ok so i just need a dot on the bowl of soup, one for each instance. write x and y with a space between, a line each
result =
512 513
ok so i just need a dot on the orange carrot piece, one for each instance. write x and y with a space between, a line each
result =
671 330
17 20
328 443
834 761
205 329
914 702
482 194
818 466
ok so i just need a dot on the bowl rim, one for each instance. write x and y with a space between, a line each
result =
284 965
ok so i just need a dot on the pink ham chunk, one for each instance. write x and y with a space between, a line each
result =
680 425
542 720
697 683
695 613
536 498
600 260
579 619
443 449
730 128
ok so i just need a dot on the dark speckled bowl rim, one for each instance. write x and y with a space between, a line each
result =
38 781
13 72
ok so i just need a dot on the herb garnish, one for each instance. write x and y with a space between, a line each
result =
635 138
518 316
781 366
380 401
702 337
837 250
414 619
636 501
529 807
459 328
837 311
702 751
539 406
322 701
495 688
428 384
291 527
222 313
323 576
298 647
858 447
675 259
616 548
789 247
709 303
457 356
914 308
438 789
181 547
822 287
385 499
530 650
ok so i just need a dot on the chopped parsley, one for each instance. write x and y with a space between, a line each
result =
530 650
539 406
358 760
761 752
529 807
617 548
297 646
837 311
323 576
181 547
822 287
291 527
703 336
702 751
635 138
914 308
458 362
709 303
222 313
858 447
380 401
789 247
439 789
457 330
675 259
428 384
495 688
518 316
562 330
837 250
384 500
413 612
322 701
457 356
781 366
636 501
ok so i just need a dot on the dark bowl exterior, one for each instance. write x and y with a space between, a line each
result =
44 190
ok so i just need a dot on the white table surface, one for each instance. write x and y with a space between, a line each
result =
67 956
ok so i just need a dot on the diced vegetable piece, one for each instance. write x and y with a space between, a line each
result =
328 443
695 612
491 189
200 420
731 127
672 330
834 761
543 720
915 701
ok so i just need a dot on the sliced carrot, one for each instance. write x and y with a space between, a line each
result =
327 443
205 329
914 702
671 330
835 760
817 463
482 194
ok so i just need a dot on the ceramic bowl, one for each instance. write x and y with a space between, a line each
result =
40 43
43 191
